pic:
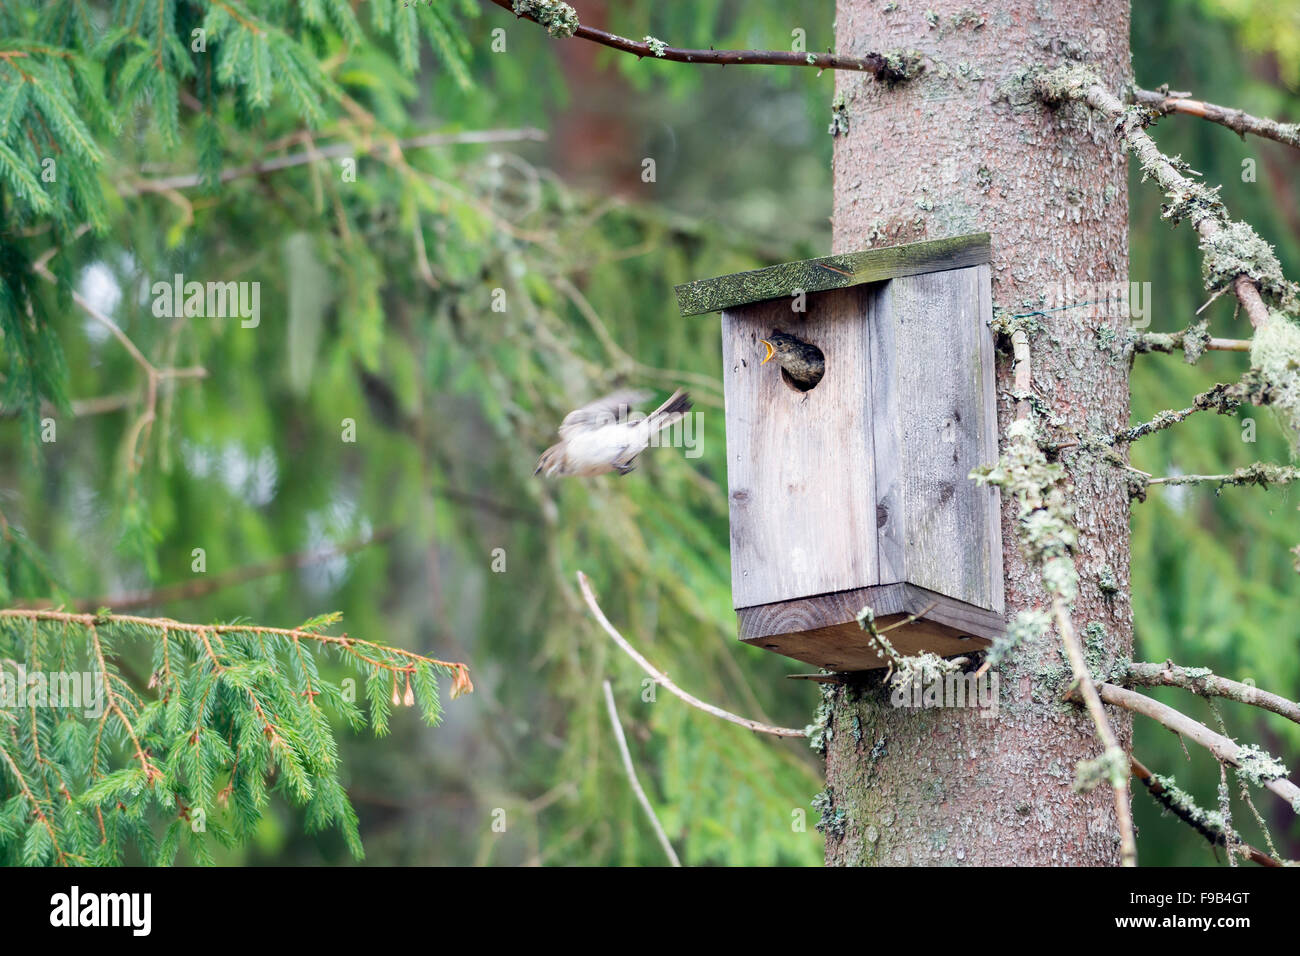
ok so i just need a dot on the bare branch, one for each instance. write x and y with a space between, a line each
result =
1192 815
333 151
1224 749
1165 102
1189 199
1023 374
881 66
154 376
1176 342
1113 753
661 678
199 587
1201 681
636 783
1224 399
1260 473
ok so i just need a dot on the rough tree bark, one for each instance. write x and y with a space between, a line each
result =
964 148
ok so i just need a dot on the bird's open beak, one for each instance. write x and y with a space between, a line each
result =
770 350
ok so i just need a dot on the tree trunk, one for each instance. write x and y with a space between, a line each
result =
964 148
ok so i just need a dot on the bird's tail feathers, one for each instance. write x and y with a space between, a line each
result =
671 411
552 461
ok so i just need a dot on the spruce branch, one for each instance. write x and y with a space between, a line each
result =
1201 680
561 21
1255 765
1164 101
235 710
350 646
1209 825
211 583
1260 473
1223 399
1189 341
145 185
1235 257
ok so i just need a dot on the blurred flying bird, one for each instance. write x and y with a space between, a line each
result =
804 363
607 435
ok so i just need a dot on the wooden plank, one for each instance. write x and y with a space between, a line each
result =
822 610
886 440
799 464
989 440
844 646
933 354
832 272
894 601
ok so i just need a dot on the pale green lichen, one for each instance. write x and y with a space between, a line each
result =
968 18
1107 582
1235 250
902 65
924 670
1258 766
820 731
560 19
1095 640
1045 515
657 46
1025 628
833 822
932 18
1111 767
1275 353
1175 799
839 115
1192 340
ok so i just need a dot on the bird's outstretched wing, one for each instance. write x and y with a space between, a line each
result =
614 407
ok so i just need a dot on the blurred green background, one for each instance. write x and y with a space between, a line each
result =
377 303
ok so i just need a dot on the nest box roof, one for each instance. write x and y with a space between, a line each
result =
832 272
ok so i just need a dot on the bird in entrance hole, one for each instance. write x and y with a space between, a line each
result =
803 363
607 435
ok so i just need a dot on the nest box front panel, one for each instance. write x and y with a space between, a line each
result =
800 471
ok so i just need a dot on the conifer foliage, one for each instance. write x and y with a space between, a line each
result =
189 753
230 712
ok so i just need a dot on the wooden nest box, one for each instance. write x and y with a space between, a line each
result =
856 492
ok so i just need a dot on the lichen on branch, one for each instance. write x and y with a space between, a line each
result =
560 19
1044 514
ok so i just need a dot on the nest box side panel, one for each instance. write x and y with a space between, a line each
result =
800 474
936 420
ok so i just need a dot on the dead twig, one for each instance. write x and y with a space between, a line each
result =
636 783
662 679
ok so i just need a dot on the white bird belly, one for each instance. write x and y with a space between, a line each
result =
599 450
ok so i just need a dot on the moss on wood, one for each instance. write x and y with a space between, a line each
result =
832 272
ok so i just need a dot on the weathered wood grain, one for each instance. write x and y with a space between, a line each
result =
823 630
933 416
799 464
988 446
856 492
832 272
